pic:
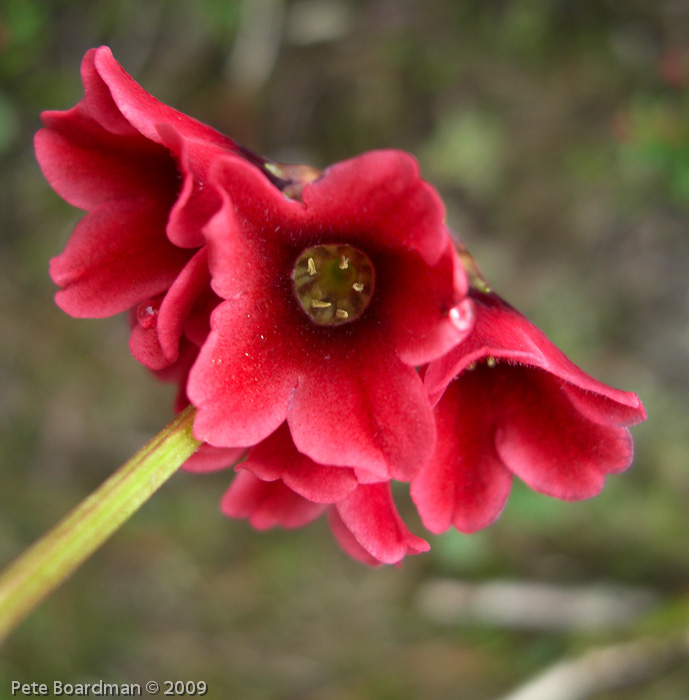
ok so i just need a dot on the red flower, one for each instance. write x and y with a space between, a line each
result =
510 403
139 168
293 308
330 302
278 486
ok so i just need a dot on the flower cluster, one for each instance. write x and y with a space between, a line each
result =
321 323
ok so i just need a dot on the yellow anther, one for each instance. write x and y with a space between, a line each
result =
471 366
491 361
333 283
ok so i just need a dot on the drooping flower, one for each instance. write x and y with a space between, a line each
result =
329 303
139 168
278 486
509 403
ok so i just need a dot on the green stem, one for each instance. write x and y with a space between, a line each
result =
45 565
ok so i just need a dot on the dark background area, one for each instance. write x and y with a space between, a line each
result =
557 132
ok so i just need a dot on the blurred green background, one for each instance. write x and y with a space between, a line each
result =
557 132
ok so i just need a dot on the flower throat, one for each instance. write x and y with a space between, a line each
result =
333 283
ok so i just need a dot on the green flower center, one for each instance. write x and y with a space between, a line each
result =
333 283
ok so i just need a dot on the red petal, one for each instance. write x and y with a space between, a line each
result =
466 484
381 194
415 310
267 504
143 111
197 201
175 308
241 261
98 100
276 457
547 442
198 325
604 410
88 166
145 347
370 515
502 332
347 541
242 381
365 410
117 257
211 459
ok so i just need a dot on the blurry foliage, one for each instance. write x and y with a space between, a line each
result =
656 148
557 133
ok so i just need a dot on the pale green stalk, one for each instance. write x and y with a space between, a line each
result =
45 565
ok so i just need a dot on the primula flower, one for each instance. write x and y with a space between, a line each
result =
278 486
510 403
139 168
293 308
330 302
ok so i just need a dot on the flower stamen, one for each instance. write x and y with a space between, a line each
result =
333 283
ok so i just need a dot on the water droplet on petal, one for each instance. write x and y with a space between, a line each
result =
462 315
147 312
